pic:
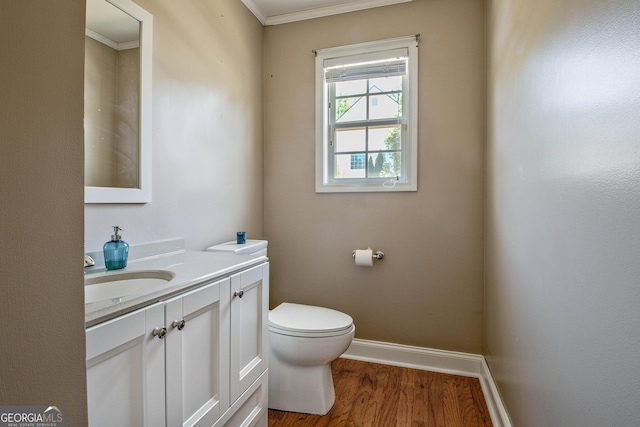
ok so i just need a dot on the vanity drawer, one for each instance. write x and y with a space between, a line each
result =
251 409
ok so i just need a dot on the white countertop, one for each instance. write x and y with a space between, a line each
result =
189 268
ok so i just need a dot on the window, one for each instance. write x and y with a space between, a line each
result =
366 117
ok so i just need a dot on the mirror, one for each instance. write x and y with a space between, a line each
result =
117 104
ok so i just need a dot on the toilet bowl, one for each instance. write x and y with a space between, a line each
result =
303 341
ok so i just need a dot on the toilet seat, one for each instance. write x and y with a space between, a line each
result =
300 320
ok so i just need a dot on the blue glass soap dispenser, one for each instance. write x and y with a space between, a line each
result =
116 251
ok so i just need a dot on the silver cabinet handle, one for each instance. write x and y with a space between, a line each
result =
159 332
178 324
238 294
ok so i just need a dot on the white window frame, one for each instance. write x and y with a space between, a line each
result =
325 181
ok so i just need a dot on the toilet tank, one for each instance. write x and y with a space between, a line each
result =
251 247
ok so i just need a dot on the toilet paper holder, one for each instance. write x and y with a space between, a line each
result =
375 255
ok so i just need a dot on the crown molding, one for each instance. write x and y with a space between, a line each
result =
255 10
108 42
319 12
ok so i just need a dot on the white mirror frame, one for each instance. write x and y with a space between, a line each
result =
142 194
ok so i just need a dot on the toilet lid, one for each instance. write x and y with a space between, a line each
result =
306 320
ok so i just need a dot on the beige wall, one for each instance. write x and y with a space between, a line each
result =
207 95
99 108
428 289
207 129
562 332
111 115
562 197
41 201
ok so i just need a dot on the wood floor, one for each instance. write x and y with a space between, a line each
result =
371 394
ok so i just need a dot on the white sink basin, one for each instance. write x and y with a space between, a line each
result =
118 285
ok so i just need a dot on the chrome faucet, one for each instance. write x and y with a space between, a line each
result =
88 261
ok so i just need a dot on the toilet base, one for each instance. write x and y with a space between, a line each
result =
309 390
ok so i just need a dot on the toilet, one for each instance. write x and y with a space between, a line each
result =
303 341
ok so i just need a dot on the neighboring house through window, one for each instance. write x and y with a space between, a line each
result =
366 117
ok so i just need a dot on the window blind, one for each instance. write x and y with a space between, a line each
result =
366 66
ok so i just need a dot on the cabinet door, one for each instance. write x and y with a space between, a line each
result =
249 317
125 370
197 353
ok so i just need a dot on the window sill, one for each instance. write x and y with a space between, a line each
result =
365 187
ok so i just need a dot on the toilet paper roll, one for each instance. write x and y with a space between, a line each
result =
364 257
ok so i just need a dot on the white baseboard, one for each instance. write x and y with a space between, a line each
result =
448 362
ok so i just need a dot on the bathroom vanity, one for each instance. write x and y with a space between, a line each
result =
190 349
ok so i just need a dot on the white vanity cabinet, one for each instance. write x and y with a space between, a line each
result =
197 359
249 311
125 370
249 317
197 355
